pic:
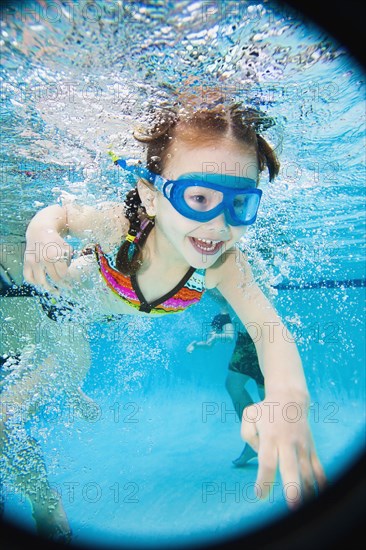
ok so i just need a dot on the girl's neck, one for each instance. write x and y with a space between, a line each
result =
159 251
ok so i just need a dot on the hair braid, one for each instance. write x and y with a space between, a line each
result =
132 206
129 255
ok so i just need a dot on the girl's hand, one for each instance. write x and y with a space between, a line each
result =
46 259
277 429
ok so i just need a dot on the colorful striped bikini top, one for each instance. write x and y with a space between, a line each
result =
187 292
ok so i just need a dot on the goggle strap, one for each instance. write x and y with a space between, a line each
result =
137 169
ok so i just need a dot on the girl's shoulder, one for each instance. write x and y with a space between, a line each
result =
104 223
230 267
113 225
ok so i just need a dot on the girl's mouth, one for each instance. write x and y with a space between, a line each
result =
205 246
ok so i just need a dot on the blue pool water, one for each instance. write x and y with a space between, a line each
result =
153 465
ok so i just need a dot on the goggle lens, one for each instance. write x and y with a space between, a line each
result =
202 199
244 206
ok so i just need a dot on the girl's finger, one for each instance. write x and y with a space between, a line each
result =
52 272
28 274
60 268
290 475
307 476
318 471
267 467
40 278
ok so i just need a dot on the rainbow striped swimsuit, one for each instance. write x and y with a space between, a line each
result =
187 292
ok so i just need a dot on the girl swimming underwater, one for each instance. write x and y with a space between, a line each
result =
179 229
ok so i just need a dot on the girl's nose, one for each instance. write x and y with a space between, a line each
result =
219 225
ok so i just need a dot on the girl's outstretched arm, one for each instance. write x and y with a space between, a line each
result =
277 427
47 255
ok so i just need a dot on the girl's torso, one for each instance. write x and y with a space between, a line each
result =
97 289
103 292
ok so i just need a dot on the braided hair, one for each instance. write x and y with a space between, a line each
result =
129 255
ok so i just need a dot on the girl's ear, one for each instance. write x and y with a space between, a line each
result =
148 197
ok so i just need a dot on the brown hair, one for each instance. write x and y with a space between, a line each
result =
240 124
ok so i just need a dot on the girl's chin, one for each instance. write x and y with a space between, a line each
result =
201 261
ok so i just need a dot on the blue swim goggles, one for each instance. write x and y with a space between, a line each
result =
204 196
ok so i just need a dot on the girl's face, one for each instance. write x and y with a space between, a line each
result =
201 244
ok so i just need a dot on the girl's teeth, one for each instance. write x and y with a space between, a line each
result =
206 244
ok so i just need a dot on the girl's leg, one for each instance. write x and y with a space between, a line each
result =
22 463
28 369
46 372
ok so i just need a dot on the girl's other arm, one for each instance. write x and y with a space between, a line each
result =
48 256
269 427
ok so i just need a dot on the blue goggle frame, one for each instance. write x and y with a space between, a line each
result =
174 190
